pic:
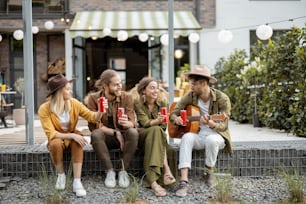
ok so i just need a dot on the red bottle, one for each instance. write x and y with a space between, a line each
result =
101 106
184 117
164 112
120 112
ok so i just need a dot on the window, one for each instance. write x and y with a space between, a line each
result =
119 64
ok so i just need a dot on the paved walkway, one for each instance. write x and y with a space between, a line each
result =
242 135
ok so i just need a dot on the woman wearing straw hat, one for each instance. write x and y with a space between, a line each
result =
59 117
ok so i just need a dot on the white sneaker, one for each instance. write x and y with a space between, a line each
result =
110 180
60 182
124 180
79 189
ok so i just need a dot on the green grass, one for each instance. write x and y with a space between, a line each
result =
295 185
52 195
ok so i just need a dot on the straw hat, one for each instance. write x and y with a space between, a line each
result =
202 70
56 82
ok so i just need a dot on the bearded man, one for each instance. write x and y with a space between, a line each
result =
113 132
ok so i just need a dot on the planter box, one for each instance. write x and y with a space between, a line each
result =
19 116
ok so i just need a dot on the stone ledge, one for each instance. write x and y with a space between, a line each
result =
26 161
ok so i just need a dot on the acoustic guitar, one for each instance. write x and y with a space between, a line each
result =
193 121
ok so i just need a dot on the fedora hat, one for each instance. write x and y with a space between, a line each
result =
56 82
202 70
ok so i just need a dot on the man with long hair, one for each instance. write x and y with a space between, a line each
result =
113 132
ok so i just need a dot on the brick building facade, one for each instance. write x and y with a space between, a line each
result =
49 45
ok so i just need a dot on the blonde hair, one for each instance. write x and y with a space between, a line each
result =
58 104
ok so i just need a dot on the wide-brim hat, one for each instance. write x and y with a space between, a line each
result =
202 70
56 82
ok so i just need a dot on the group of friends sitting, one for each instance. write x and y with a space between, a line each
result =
119 119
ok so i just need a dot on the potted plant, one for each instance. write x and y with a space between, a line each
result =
19 113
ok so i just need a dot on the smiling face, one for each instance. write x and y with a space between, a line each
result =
67 91
151 91
114 88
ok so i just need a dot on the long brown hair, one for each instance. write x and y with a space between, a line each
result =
105 78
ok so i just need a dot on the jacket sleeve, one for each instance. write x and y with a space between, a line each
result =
179 106
142 117
92 105
44 114
84 112
224 106
129 108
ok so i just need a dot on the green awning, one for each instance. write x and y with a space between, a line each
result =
91 23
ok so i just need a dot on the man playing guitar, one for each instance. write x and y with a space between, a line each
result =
211 135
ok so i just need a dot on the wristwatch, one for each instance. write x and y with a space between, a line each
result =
115 133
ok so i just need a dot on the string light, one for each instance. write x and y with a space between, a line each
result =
260 27
270 23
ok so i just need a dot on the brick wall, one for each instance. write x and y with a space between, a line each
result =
206 13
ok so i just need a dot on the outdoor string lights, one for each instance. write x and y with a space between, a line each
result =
143 37
225 36
164 39
263 32
18 34
49 25
35 29
122 35
194 37
107 31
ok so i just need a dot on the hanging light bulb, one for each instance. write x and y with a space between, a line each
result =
94 37
49 25
107 31
264 32
18 34
178 54
143 37
0 37
122 35
164 39
225 36
35 29
194 37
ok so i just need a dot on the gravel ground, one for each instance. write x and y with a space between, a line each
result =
246 190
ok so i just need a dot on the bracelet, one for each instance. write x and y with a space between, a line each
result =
115 133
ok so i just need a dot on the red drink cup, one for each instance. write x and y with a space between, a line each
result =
101 106
120 112
164 113
184 117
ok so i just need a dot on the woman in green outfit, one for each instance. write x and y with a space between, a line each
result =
152 137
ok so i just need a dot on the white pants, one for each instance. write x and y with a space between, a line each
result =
212 143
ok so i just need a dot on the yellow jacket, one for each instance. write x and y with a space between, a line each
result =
51 123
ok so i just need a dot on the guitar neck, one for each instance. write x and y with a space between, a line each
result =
193 118
215 118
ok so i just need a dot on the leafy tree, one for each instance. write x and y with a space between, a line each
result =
226 73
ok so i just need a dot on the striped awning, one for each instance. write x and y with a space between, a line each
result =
91 23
